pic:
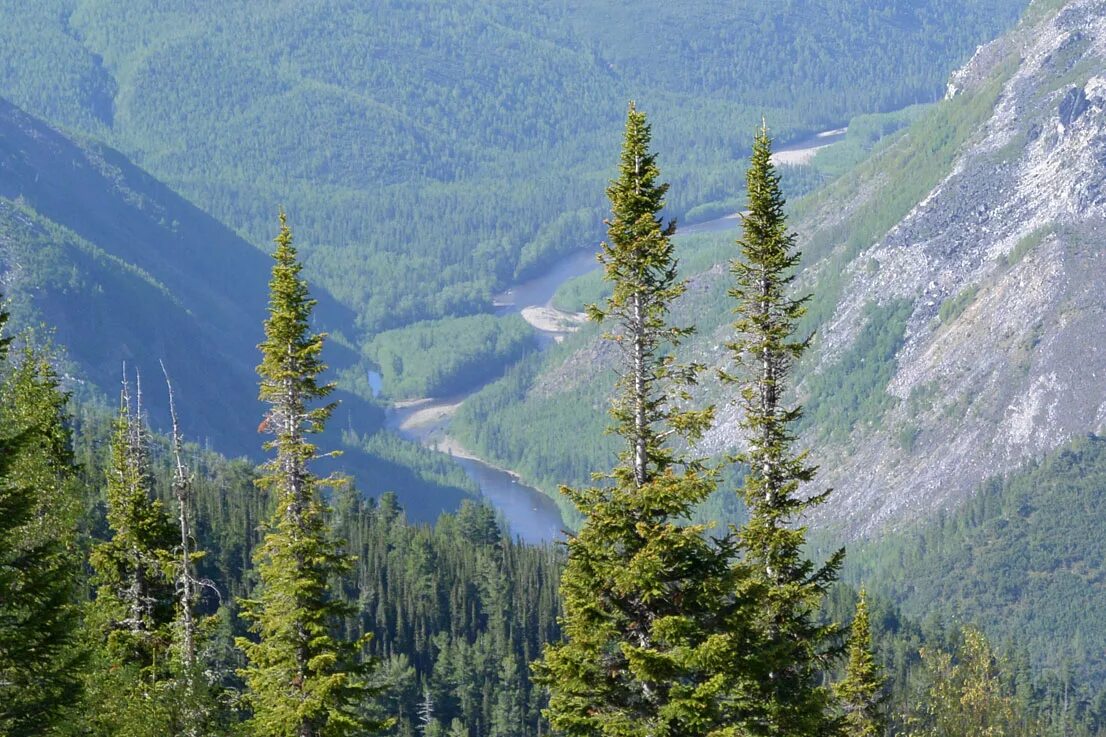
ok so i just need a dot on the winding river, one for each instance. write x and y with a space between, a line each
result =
530 514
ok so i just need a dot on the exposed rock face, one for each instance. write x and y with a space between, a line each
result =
1012 241
1020 222
1072 106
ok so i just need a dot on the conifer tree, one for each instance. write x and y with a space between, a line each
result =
130 684
303 680
795 644
860 693
653 618
39 564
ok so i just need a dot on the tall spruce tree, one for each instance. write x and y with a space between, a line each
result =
861 692
303 680
654 607
39 563
795 644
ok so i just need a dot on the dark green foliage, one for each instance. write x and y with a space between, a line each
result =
1025 549
457 606
129 684
444 357
448 605
776 492
656 619
302 679
938 672
39 563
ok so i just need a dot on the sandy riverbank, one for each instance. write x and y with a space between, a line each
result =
551 320
426 421
806 154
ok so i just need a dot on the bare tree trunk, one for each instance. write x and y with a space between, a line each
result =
293 470
186 579
767 398
639 372
186 582
640 428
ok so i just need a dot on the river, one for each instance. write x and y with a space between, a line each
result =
530 514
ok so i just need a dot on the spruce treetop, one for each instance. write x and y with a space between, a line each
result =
656 612
291 354
303 680
796 647
640 262
861 691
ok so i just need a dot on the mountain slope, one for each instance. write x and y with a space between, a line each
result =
124 269
957 295
431 154
1000 272
1025 554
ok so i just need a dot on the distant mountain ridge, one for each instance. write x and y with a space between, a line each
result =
123 269
149 275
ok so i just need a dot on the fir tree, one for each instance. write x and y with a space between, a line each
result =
860 693
653 619
795 644
303 680
39 564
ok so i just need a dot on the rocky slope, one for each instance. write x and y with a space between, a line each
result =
1001 356
959 290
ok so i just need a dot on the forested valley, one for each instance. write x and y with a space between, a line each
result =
246 248
152 587
431 156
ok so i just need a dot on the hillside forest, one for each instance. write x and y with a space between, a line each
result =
386 369
153 587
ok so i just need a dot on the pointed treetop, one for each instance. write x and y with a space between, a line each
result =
861 692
